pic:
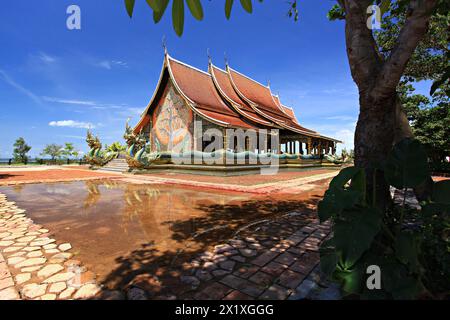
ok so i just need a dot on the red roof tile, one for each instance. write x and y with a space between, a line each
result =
263 100
224 85
198 87
257 94
227 98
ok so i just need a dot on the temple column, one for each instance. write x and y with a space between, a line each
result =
225 145
309 145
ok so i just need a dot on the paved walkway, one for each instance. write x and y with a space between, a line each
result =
263 188
50 174
33 265
272 260
282 183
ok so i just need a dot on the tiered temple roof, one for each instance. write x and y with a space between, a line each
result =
226 98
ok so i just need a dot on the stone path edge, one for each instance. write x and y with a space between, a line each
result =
33 266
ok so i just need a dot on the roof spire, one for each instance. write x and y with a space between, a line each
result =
164 45
226 59
209 56
268 83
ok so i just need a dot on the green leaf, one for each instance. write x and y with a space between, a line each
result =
435 209
129 4
156 5
354 233
441 192
384 6
352 279
358 183
437 83
178 16
396 280
344 176
406 250
328 257
228 7
157 15
196 9
336 13
335 200
407 166
247 5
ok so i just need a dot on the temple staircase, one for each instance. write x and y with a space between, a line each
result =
117 165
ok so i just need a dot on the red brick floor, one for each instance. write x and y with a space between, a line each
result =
246 180
10 177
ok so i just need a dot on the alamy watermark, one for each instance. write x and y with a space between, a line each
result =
215 146
373 282
374 20
73 21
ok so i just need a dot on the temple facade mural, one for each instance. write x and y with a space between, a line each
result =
172 124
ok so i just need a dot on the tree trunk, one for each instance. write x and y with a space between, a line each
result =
374 137
402 129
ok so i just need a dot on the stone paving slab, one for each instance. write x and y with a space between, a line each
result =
29 270
276 260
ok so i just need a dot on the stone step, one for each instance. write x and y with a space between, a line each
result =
114 169
117 165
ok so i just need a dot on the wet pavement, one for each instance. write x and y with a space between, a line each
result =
106 220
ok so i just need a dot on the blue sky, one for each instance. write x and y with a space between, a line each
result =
55 82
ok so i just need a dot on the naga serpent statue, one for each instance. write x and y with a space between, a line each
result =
136 154
95 146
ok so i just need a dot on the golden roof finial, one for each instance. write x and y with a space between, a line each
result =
164 45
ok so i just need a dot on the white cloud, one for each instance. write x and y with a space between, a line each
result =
5 77
344 132
109 64
69 101
88 103
347 137
71 124
340 118
131 112
74 137
46 58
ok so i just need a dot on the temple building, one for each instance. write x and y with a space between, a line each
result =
186 96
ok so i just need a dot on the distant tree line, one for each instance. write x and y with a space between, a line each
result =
54 152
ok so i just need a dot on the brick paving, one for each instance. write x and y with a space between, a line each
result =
12 177
283 264
296 185
243 180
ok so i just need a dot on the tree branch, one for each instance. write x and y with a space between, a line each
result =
362 52
416 26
